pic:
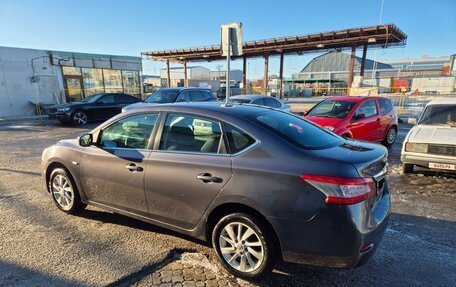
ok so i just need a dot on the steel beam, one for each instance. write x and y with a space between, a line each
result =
363 61
244 73
351 67
168 74
185 75
266 68
281 77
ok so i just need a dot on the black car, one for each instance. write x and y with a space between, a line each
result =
98 107
172 95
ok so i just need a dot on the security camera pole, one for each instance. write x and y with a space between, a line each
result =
231 37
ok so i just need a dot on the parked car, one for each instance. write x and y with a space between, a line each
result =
215 172
172 95
431 143
97 107
234 91
371 119
261 100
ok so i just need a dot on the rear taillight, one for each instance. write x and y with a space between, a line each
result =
341 190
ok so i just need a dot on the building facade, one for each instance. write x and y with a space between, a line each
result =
31 77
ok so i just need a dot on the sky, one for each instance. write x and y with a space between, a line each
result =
131 27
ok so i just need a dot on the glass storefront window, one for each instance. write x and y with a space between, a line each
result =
131 83
93 81
113 81
71 71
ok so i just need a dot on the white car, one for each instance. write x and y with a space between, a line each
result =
431 143
261 100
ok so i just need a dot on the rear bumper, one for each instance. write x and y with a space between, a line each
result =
424 159
337 235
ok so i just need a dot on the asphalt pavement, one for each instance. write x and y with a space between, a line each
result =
41 246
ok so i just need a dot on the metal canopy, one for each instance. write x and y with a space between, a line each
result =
373 36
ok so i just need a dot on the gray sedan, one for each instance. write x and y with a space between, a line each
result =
258 183
261 100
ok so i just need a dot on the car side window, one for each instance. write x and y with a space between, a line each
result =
385 106
270 102
196 96
237 139
107 99
125 99
131 132
190 134
208 96
184 97
259 102
368 108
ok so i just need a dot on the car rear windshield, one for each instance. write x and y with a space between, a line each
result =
439 115
163 96
332 109
295 130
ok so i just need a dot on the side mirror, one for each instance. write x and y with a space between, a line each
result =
412 121
360 116
86 140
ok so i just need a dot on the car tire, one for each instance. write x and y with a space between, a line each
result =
249 250
79 118
391 136
64 191
407 168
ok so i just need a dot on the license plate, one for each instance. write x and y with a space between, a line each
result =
442 166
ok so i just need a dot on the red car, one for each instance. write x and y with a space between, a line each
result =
371 119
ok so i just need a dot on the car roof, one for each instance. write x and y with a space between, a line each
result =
178 89
249 97
443 101
202 108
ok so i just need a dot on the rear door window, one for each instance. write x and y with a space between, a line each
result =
295 130
270 102
259 102
107 99
196 96
190 134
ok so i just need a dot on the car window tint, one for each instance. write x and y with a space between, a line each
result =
237 139
132 132
190 134
368 108
385 106
294 129
258 102
332 109
107 99
270 102
184 97
208 96
196 96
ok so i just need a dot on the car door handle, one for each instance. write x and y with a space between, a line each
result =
133 167
207 178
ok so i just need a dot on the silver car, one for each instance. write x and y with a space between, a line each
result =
258 183
261 100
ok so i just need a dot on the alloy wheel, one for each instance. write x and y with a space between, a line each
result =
391 136
241 247
80 118
62 191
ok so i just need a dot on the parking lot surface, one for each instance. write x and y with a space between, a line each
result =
41 246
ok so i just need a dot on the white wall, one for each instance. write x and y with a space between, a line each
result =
441 85
16 87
